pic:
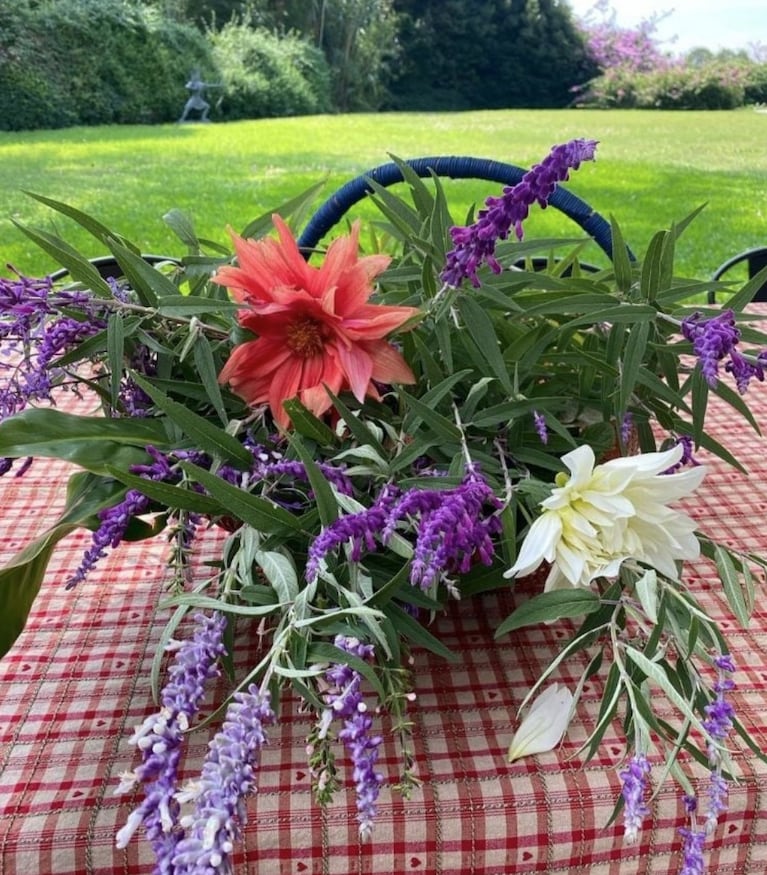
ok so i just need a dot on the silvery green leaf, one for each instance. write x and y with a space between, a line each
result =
655 673
647 593
364 452
280 572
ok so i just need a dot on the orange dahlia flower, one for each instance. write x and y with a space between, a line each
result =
314 327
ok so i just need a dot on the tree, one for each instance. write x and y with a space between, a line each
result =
461 54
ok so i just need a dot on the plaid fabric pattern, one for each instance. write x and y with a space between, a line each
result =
78 681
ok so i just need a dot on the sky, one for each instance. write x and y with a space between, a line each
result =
711 24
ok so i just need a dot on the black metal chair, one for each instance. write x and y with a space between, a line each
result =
755 259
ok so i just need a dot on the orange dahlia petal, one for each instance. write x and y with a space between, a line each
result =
388 364
357 366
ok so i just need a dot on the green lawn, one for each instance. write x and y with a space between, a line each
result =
653 168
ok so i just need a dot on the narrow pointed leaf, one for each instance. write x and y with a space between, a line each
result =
257 512
207 437
548 606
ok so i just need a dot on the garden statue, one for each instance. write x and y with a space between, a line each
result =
196 101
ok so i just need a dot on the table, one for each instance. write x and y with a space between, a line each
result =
78 681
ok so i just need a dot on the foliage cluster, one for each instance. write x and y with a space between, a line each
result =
262 75
356 514
635 72
91 62
487 54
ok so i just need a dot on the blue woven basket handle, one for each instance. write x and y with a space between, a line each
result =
454 167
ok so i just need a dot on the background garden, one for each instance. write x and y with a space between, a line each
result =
312 90
70 62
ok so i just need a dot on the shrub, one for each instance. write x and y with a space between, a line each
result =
755 87
264 75
70 62
674 86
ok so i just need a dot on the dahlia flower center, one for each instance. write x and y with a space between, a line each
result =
305 337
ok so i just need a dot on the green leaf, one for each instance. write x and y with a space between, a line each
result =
92 442
729 577
209 603
169 495
257 512
78 267
207 437
280 572
91 225
185 306
20 579
633 357
359 431
324 498
647 593
482 331
548 606
322 652
650 278
183 227
655 673
296 208
208 374
307 424
410 628
115 354
441 427
621 261
144 279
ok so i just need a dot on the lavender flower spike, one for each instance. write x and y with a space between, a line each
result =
345 700
228 775
634 778
159 739
475 244
113 523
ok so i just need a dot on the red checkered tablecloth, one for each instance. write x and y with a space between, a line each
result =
78 681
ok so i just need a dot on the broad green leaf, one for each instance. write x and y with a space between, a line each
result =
93 442
20 579
207 437
548 606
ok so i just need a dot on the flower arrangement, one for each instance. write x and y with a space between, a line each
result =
378 435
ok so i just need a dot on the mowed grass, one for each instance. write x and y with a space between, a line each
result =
652 169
